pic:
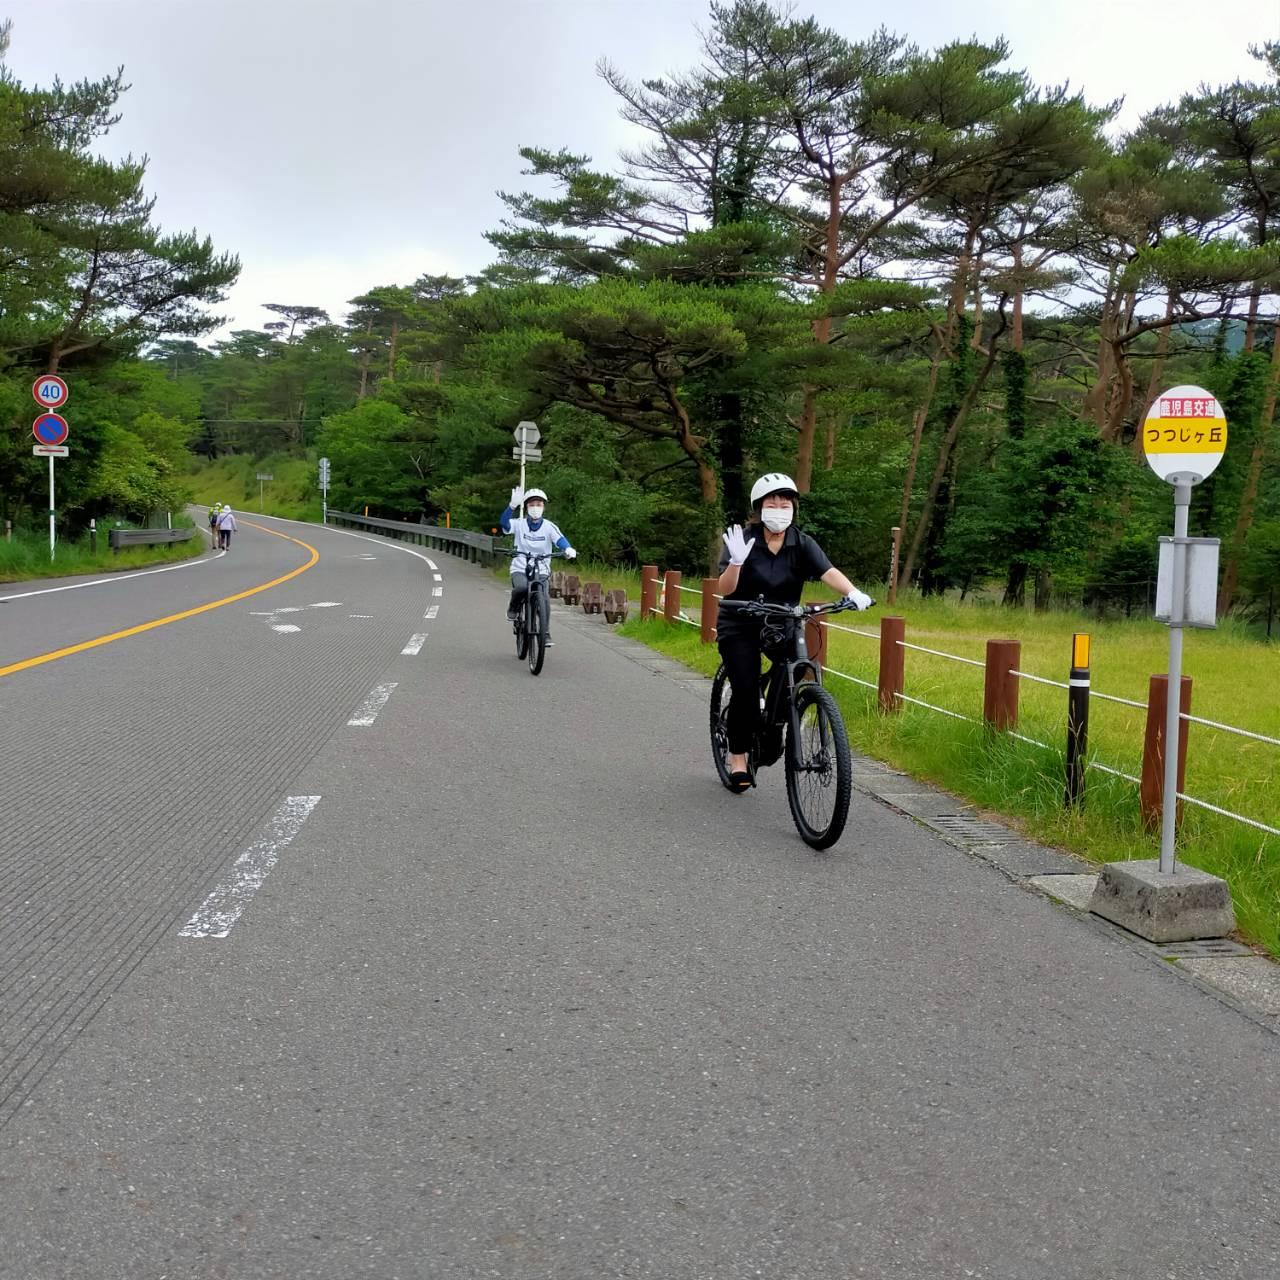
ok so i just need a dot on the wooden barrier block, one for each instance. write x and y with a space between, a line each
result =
615 605
571 589
556 586
592 597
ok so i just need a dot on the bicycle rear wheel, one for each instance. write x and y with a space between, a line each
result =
540 624
819 771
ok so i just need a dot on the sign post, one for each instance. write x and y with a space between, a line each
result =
50 430
324 491
1183 437
527 436
263 477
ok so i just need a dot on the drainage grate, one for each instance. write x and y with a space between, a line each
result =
1203 949
969 829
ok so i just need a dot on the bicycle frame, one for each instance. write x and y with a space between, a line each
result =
536 584
793 660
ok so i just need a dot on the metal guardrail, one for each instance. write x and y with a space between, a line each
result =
117 538
479 548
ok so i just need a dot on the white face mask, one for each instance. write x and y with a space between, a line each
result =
535 511
776 519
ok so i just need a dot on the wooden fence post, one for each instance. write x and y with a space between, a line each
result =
671 595
1000 691
710 609
815 638
893 631
1151 791
648 589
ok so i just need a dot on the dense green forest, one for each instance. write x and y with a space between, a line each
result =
942 296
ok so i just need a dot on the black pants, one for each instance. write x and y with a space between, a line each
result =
741 655
520 589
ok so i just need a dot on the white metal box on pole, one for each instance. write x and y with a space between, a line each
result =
1200 593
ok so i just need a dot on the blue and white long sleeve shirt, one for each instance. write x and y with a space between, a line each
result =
532 537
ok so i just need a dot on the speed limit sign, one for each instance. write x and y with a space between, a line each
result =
50 391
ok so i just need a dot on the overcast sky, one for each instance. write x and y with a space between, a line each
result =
340 144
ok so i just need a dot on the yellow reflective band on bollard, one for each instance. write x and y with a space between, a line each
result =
1080 649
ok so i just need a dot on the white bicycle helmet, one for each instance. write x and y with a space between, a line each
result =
534 493
773 482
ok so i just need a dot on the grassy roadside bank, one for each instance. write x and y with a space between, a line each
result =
25 557
292 492
1236 681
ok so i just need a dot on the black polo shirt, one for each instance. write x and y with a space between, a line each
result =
777 577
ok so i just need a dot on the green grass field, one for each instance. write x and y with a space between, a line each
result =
1236 680
26 555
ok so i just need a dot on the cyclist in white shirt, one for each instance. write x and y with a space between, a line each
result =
533 536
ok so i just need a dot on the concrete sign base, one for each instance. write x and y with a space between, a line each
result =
1162 906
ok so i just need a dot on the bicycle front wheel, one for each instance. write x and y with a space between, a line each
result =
720 695
540 624
819 771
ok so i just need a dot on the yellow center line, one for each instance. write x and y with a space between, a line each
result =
42 658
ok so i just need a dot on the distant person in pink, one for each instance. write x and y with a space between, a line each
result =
226 527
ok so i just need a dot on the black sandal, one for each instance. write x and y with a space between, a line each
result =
739 781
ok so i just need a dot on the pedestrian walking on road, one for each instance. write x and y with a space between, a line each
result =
213 523
226 527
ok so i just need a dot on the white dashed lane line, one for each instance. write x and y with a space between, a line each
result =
414 647
222 908
431 612
437 591
438 577
368 710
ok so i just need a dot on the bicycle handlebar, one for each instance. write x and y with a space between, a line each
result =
513 552
763 609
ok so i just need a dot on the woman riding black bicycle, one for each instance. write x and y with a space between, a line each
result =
534 536
772 566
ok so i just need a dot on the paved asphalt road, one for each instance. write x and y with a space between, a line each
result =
510 987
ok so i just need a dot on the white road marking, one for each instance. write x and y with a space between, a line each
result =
117 577
290 609
431 613
431 562
285 626
368 710
262 613
438 577
327 604
222 908
359 615
437 591
414 647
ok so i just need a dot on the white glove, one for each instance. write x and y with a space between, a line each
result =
570 553
859 599
517 497
739 547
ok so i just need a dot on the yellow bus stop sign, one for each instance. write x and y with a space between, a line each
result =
1184 435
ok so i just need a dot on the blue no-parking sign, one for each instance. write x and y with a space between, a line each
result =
50 428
